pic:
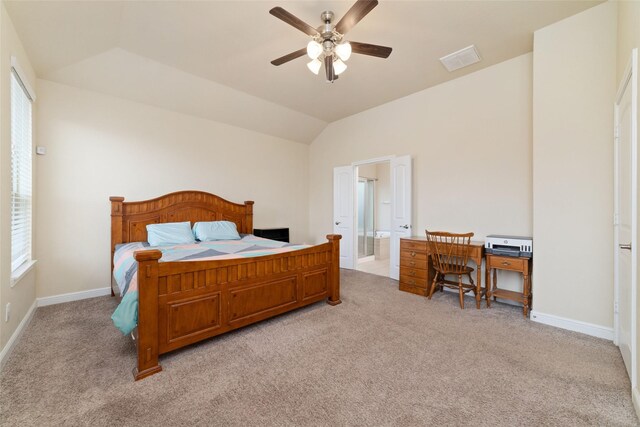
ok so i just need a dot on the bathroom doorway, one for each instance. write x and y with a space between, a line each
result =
373 207
366 217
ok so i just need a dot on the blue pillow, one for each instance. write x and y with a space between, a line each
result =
215 230
170 233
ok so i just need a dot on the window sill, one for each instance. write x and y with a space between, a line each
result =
22 271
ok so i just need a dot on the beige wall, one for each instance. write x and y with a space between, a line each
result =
23 294
100 146
574 70
628 39
628 33
368 171
470 140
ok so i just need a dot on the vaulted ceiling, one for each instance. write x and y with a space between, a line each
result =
212 58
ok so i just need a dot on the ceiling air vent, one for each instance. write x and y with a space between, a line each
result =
462 58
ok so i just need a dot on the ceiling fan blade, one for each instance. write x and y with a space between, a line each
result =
358 11
328 67
289 57
294 21
370 49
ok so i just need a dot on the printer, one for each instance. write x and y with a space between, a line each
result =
515 246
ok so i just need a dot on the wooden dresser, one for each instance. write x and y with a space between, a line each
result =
414 271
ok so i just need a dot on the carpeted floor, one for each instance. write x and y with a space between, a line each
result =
383 357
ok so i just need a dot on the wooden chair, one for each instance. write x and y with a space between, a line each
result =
449 253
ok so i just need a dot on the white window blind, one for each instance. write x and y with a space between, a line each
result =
21 164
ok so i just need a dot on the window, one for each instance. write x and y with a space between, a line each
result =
21 164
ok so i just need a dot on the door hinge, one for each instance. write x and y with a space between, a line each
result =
616 219
616 133
615 307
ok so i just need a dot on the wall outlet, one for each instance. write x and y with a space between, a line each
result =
7 312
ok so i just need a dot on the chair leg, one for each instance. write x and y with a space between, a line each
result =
460 291
433 285
478 294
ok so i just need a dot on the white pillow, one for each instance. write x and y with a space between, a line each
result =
170 233
215 230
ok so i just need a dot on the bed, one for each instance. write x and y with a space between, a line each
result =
183 302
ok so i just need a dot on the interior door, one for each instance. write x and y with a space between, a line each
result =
344 188
400 208
626 221
624 231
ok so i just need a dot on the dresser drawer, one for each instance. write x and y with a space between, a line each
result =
413 281
409 245
413 289
413 263
507 263
419 273
412 254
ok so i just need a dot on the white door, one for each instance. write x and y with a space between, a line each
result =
625 220
400 208
344 188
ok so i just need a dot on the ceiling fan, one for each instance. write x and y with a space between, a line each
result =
327 43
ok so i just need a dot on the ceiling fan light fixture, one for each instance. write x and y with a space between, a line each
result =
314 66
339 67
343 50
314 49
327 45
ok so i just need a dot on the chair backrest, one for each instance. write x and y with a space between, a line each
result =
449 251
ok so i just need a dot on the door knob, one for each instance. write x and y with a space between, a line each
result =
406 226
337 222
627 246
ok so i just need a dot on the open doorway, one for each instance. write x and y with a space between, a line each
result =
373 217
398 208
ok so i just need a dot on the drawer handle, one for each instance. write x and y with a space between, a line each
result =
506 263
413 254
412 263
412 273
412 282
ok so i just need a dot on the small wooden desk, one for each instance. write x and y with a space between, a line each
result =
410 256
518 264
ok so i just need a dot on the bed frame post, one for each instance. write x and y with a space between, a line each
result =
148 350
249 216
116 230
334 273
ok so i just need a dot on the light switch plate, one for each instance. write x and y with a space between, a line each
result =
41 150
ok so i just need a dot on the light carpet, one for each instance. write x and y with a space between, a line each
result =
382 357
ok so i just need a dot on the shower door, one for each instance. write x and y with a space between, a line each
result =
365 217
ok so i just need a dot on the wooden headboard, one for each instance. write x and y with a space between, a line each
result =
129 219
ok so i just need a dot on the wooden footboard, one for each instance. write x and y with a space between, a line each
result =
180 303
184 302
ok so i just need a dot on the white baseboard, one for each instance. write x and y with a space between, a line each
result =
6 351
573 325
73 296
